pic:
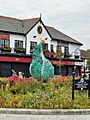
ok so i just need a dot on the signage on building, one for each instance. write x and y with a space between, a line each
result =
63 62
4 36
68 63
15 59
78 63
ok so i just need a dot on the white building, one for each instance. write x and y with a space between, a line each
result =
16 33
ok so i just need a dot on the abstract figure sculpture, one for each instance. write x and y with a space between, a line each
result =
40 68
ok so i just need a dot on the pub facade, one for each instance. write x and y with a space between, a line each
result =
19 37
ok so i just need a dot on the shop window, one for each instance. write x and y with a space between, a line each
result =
21 67
5 69
32 45
77 70
18 43
56 70
70 70
64 70
4 43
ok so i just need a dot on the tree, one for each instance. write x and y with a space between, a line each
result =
59 55
88 62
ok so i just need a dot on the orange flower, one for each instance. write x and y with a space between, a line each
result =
49 79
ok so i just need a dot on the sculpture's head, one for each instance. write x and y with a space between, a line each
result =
42 39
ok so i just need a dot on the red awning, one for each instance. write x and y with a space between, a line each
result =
15 59
63 62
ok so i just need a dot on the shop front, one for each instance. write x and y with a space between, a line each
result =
21 63
68 67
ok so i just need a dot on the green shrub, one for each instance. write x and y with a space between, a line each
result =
50 95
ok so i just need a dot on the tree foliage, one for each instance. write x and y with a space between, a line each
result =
88 62
59 55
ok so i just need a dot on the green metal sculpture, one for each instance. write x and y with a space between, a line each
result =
40 68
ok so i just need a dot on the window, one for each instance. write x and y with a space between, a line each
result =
77 70
4 43
56 70
64 44
18 43
58 44
52 49
66 50
45 46
32 45
61 44
64 70
70 70
77 52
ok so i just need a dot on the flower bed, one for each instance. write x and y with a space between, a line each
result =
5 49
19 50
30 93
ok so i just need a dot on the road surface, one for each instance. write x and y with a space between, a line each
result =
43 117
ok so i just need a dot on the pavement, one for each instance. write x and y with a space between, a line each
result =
43 117
45 112
42 114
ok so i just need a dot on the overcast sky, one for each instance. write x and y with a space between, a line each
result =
69 16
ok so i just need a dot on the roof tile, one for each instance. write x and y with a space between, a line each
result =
15 25
57 35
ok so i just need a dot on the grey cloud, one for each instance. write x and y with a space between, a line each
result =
69 16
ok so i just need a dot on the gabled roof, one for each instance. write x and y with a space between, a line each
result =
28 24
13 25
10 24
59 36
